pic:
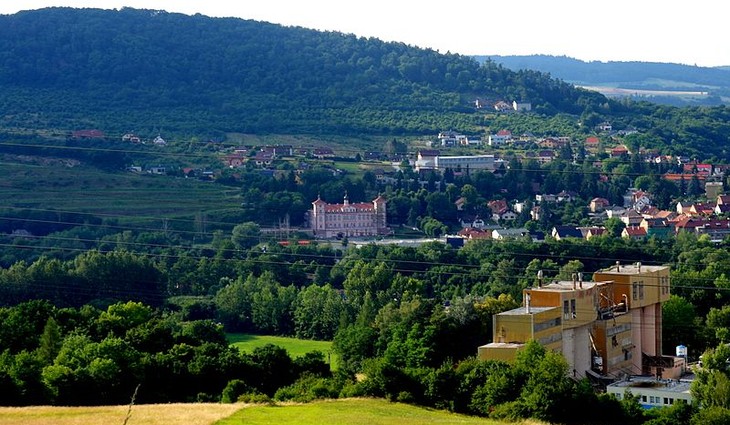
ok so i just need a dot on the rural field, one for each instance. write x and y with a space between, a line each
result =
295 347
335 412
144 414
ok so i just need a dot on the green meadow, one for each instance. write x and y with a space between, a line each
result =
295 347
351 412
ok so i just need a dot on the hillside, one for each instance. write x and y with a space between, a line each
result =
630 76
145 70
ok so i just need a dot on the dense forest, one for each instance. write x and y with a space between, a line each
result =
595 72
146 71
200 74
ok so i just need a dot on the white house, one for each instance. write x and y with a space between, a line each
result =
521 106
502 137
502 234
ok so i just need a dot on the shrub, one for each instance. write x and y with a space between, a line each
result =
233 390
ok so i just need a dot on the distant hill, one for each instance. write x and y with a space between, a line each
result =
132 69
634 77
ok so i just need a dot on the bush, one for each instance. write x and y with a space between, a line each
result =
308 388
255 398
233 390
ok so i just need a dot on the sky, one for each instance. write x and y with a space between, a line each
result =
687 32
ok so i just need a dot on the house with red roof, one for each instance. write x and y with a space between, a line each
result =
592 142
619 151
633 232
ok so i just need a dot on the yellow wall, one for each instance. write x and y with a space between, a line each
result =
543 326
503 352
612 351
642 288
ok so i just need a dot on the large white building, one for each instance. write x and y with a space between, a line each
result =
346 219
464 163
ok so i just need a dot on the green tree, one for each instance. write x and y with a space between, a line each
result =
246 235
317 312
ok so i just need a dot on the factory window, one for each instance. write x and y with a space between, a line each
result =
573 312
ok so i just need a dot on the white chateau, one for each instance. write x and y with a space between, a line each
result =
346 219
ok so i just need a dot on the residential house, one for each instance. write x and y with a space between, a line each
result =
566 196
633 232
536 213
722 205
451 138
636 199
619 151
263 159
502 106
592 143
546 197
657 227
159 141
131 137
598 204
686 223
473 221
551 143
717 230
234 160
615 211
502 234
631 218
720 170
564 232
682 179
499 139
697 168
499 207
521 106
595 231
604 126
471 233
545 156
459 203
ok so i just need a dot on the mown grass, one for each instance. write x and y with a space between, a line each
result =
350 412
142 414
295 347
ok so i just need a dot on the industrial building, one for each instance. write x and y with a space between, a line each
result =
607 328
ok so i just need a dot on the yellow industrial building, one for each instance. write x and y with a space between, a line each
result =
610 326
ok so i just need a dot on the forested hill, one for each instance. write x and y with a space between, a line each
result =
116 69
629 75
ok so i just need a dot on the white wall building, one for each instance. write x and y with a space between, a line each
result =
473 162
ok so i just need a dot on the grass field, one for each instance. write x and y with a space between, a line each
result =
350 412
142 414
331 412
295 347
49 186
